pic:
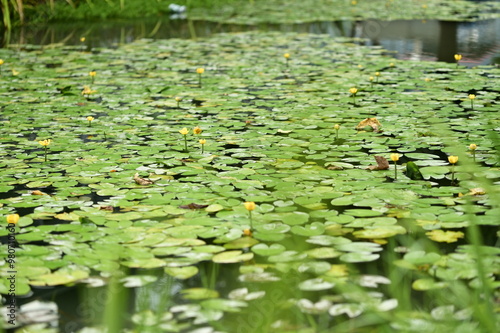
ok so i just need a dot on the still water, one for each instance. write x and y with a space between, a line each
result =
431 40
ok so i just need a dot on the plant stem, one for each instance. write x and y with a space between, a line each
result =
45 153
202 148
185 144
199 80
251 222
395 170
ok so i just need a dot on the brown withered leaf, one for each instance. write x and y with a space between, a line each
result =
37 192
193 206
108 208
142 181
477 191
382 163
372 122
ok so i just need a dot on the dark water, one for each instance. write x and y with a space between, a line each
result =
478 42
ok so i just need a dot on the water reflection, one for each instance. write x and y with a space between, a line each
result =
478 42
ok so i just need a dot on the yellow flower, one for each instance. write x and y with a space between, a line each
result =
377 74
371 78
473 146
82 39
90 118
453 159
336 127
247 232
1 62
12 218
200 70
391 64
92 73
15 73
286 55
472 96
197 130
360 66
427 79
45 143
394 157
353 91
458 57
184 131
178 99
354 2
249 205
202 141
87 91
424 6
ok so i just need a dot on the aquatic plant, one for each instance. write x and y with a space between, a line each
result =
200 71
90 119
92 75
287 58
472 97
202 143
45 144
250 206
395 158
178 100
353 92
453 160
473 148
184 133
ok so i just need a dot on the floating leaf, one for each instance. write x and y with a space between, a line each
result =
445 236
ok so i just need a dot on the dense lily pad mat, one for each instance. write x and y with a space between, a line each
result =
286 11
332 243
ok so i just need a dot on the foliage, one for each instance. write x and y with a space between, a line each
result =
333 246
249 11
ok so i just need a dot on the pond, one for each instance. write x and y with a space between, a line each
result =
478 42
135 166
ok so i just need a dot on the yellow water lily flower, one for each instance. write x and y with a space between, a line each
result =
87 90
453 159
12 218
1 62
473 146
82 39
200 70
394 157
90 118
197 130
92 73
353 91
184 131
202 141
45 143
472 96
286 55
249 205
458 57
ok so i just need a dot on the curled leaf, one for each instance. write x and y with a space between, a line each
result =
193 206
142 181
382 163
369 122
